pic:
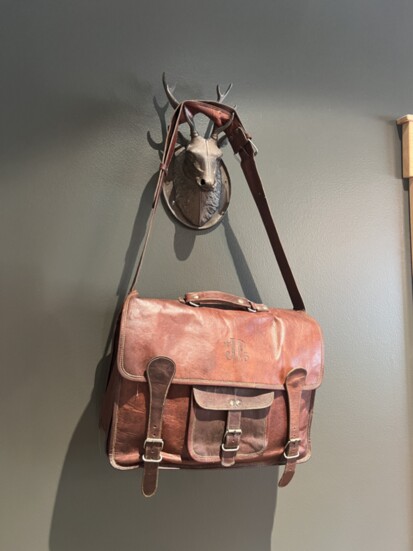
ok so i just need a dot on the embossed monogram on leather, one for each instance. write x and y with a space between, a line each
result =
235 350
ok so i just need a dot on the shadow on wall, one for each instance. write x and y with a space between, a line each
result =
99 508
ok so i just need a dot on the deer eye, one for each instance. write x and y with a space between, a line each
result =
191 156
193 159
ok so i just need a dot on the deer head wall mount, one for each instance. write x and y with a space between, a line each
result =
197 189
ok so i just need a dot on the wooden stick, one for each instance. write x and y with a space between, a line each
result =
407 154
411 218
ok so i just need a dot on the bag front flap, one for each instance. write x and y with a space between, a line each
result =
232 399
217 347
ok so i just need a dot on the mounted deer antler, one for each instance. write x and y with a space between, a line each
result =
218 130
172 100
198 172
222 96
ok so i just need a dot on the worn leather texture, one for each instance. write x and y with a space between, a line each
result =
224 347
231 370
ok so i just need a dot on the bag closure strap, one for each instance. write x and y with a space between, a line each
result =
232 438
159 373
242 145
294 384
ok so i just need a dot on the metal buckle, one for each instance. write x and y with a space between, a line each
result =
153 441
254 148
230 431
229 449
292 441
146 460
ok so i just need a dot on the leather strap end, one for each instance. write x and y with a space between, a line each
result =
287 475
150 479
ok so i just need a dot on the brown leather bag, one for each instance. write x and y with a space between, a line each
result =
211 379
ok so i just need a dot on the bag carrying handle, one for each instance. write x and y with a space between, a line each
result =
216 298
241 144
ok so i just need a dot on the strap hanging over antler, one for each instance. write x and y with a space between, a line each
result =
241 144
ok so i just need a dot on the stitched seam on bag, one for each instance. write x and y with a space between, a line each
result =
211 382
122 335
197 393
114 427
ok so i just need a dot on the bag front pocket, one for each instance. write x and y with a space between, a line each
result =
228 423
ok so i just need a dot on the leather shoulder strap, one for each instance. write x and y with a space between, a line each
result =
241 144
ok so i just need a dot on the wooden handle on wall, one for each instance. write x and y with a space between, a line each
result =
407 153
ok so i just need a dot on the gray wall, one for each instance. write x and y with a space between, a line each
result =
319 85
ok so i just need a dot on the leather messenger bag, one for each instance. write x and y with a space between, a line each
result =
211 379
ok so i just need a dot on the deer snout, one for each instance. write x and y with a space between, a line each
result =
206 184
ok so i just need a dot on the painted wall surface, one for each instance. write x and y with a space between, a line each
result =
319 85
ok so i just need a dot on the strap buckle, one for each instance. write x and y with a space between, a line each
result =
291 441
225 449
147 460
233 432
254 149
153 441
